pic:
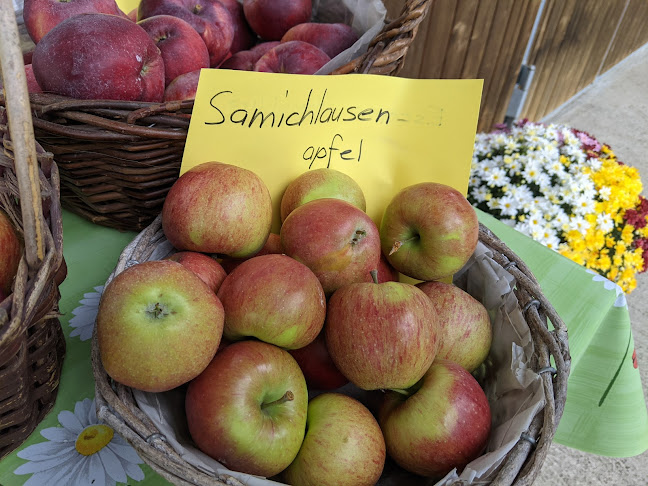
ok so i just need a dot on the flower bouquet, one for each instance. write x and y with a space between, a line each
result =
566 190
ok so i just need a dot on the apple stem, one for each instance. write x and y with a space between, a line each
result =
374 275
287 397
398 244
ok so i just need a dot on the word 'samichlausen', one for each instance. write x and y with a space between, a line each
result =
255 117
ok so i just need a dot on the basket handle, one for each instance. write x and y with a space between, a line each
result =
22 134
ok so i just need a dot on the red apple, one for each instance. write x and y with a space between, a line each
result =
244 37
99 56
248 408
292 57
318 367
332 38
10 254
208 269
183 87
464 323
218 208
272 246
245 60
158 326
385 272
429 231
275 299
318 184
343 446
209 18
182 48
32 84
443 424
41 16
271 19
336 240
381 335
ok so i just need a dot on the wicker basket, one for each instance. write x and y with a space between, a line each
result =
119 159
117 406
32 344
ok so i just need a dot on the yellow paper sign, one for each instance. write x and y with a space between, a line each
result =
127 6
385 132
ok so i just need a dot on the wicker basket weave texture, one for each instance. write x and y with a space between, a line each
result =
119 159
32 345
117 406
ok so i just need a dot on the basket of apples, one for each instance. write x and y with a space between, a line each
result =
112 93
32 344
336 351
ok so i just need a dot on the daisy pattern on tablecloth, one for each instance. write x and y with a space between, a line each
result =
86 314
81 452
609 285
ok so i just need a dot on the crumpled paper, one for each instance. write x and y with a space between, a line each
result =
515 391
366 17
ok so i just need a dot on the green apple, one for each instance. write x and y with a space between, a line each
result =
444 422
429 231
248 408
158 326
343 446
319 184
463 322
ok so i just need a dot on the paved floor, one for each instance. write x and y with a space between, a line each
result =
614 109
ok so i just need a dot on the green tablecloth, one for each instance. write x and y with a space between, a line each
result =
605 411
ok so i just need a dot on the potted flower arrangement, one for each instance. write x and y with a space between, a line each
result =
566 190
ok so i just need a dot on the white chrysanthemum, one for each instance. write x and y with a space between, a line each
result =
579 223
509 206
80 453
532 171
584 205
605 192
480 193
86 314
549 238
605 222
496 177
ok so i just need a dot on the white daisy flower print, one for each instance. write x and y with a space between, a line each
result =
86 314
81 452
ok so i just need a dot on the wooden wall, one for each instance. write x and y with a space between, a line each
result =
468 39
576 41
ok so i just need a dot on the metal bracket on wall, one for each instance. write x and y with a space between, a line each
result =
520 91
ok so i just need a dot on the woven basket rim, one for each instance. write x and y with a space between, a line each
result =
117 407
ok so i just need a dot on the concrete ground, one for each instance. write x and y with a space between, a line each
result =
614 109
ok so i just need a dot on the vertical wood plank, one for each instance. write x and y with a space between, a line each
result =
459 39
604 17
545 46
442 15
489 66
632 34
478 38
553 93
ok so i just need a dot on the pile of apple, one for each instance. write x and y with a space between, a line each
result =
251 324
90 49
